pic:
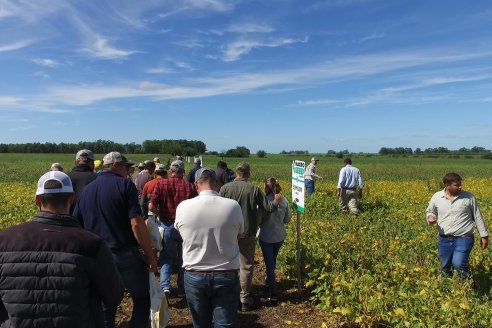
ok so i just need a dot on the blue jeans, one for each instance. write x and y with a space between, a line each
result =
270 252
455 252
309 187
133 270
172 249
212 296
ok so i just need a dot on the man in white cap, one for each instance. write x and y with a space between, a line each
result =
310 176
53 272
82 173
165 198
109 207
211 276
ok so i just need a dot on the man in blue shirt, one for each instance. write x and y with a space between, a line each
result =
109 207
349 188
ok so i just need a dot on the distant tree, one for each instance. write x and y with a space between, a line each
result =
384 151
261 153
240 151
478 150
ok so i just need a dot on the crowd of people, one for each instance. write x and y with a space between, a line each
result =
93 242
70 265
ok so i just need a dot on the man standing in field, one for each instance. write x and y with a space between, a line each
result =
211 270
310 176
349 187
249 198
82 173
191 176
109 207
53 273
142 178
165 198
148 189
456 213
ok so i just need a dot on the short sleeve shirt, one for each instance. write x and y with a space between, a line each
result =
106 206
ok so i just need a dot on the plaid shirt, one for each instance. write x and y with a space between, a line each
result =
168 193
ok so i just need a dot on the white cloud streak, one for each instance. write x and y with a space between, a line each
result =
351 68
237 49
102 50
249 27
14 46
46 62
42 75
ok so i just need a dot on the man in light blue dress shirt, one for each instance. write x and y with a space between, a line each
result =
349 188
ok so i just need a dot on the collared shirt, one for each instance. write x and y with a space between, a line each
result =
106 206
168 193
141 179
310 173
349 178
209 226
457 217
148 188
249 198
191 175
81 175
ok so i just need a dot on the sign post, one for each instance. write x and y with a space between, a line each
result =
298 190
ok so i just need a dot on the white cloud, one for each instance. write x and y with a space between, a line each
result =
190 44
345 69
372 37
42 75
101 49
216 5
46 62
316 102
29 11
159 70
453 79
236 49
250 28
183 65
6 101
335 3
145 85
14 46
198 6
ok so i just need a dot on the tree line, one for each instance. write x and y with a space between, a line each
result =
438 150
173 147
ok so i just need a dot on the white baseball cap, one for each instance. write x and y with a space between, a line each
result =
66 183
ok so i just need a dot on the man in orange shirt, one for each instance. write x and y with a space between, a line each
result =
159 173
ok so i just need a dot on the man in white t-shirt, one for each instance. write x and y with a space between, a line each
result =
210 226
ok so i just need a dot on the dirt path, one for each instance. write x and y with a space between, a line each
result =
294 309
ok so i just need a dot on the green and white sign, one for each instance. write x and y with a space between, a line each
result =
298 187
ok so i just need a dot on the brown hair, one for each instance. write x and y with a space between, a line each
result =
272 186
450 178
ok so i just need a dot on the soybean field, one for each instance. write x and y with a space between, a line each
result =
377 269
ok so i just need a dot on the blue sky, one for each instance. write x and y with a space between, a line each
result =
271 75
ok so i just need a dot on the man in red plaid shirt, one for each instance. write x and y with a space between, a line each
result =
167 195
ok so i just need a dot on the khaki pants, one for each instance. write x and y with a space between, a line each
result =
348 199
247 261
